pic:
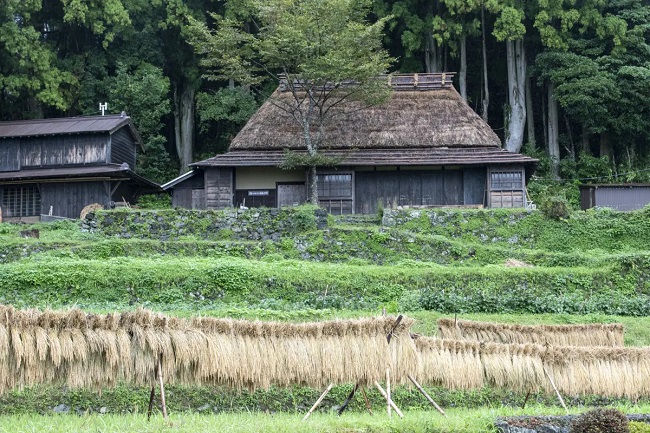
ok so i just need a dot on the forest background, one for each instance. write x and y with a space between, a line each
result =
567 81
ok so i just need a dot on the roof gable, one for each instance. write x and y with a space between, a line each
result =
416 116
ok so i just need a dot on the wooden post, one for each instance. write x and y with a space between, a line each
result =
417 385
349 399
313 408
383 394
525 400
162 388
0 215
388 392
151 397
365 397
556 391
397 322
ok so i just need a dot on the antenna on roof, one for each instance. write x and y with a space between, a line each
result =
103 107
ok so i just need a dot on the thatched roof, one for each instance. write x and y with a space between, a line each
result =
412 118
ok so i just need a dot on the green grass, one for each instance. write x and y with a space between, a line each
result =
458 421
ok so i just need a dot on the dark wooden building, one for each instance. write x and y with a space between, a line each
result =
62 165
622 197
425 147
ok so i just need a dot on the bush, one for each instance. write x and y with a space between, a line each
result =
639 427
556 208
601 421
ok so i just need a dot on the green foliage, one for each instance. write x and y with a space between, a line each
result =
155 201
639 427
555 208
601 421
143 94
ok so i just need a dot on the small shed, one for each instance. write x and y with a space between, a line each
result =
622 197
58 166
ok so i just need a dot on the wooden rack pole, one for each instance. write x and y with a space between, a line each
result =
417 385
365 397
151 397
313 408
383 394
349 399
388 392
162 388
556 391
526 400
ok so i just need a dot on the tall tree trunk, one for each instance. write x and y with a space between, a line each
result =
605 145
516 119
486 92
572 147
586 148
553 141
530 120
432 60
184 125
462 77
544 119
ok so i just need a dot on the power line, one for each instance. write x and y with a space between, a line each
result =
593 178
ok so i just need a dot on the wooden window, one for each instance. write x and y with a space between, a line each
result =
507 189
335 192
506 180
21 201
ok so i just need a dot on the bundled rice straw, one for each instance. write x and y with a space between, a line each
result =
93 351
606 371
553 335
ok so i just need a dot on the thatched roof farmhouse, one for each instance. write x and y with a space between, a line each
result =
425 147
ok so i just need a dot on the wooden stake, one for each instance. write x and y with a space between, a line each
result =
525 400
556 391
162 388
349 399
313 408
151 397
383 394
417 385
397 322
388 392
365 397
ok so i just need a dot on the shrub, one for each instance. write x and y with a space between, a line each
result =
601 421
556 208
639 427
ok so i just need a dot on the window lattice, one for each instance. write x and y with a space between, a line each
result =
21 201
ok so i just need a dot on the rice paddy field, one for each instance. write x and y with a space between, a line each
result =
592 269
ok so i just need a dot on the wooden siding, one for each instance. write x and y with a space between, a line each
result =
122 148
474 186
190 193
218 188
414 188
68 199
31 152
10 155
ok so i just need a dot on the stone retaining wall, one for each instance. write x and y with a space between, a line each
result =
249 224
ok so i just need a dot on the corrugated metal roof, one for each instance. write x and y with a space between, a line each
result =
68 125
111 171
376 157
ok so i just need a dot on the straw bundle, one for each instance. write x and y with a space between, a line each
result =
596 334
86 350
606 371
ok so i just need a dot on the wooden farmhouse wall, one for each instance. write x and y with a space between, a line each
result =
122 148
190 193
419 188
